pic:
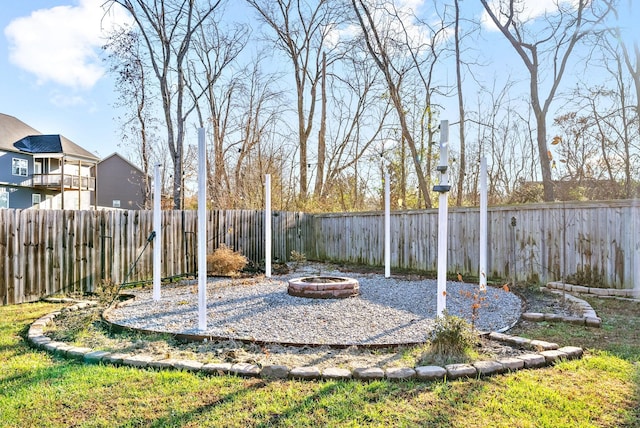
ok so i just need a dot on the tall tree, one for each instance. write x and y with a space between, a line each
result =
397 52
127 62
545 53
302 31
167 28
462 172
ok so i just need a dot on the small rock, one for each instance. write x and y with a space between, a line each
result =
532 360
400 373
457 371
430 372
336 373
368 373
308 372
485 368
275 372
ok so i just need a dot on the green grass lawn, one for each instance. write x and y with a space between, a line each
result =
600 390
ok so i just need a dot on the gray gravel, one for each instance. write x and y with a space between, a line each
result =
388 310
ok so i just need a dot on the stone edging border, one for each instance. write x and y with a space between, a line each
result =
600 292
543 354
588 318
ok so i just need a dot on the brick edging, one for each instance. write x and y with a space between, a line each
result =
542 354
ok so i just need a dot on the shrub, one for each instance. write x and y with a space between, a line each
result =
452 336
225 261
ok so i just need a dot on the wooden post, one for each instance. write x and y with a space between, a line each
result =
202 231
443 208
267 226
483 224
157 228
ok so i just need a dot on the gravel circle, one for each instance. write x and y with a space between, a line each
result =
388 311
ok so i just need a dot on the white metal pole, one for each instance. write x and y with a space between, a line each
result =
267 226
387 225
443 189
483 224
157 228
202 231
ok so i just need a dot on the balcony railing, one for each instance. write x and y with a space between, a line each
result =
69 181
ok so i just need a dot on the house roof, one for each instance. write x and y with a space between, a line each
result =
17 136
117 155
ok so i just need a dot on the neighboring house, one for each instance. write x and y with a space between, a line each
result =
121 184
43 171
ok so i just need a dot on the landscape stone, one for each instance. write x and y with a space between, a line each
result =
580 289
368 373
245 369
575 320
95 357
486 368
399 373
217 368
542 345
511 363
532 360
188 365
501 337
592 322
533 316
336 373
166 363
138 360
520 341
78 352
116 358
552 317
275 372
53 345
572 352
553 355
305 372
430 372
457 371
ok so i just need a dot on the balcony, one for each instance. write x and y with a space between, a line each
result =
70 182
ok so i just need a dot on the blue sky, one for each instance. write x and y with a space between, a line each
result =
52 75
54 80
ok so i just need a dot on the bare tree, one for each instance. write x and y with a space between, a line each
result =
167 28
216 49
127 62
419 57
302 31
545 53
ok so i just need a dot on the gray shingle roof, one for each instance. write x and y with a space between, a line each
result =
16 135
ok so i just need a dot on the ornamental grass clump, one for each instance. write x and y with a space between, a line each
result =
452 336
226 262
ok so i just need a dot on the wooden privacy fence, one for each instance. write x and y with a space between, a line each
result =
598 241
43 252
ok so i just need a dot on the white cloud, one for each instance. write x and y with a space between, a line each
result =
526 10
63 99
61 44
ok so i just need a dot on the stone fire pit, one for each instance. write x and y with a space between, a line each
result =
324 287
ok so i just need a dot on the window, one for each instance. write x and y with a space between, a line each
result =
19 167
4 198
116 203
36 198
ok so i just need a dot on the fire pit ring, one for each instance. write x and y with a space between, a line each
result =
324 287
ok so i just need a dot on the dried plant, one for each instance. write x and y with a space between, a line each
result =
224 261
